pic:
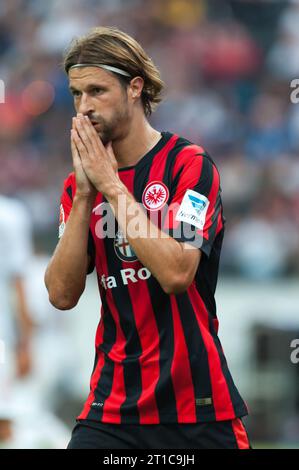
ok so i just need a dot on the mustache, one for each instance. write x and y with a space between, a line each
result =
95 119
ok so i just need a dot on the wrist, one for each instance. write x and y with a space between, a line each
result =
86 199
115 190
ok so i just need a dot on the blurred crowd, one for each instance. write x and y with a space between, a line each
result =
227 66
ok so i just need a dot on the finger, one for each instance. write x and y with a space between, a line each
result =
75 152
77 162
109 149
83 154
89 135
96 144
110 152
83 134
94 136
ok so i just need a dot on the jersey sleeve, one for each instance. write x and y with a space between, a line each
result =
66 203
194 214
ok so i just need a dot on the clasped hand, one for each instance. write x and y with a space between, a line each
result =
98 162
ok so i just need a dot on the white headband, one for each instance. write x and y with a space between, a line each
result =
102 66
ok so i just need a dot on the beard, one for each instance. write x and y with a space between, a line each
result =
112 129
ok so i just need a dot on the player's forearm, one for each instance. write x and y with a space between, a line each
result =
157 251
66 274
24 321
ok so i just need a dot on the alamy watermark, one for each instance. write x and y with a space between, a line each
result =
295 353
295 93
183 224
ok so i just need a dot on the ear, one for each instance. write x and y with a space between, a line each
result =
136 87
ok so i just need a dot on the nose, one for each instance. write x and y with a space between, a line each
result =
85 106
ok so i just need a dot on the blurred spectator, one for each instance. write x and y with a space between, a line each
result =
15 330
35 358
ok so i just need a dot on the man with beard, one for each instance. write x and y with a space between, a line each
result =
160 378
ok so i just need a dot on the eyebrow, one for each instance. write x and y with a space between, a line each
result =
89 87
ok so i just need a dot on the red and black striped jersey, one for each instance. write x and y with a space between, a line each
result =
158 357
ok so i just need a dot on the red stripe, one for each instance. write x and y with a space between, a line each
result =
240 434
189 178
221 397
183 157
93 382
65 198
111 409
149 338
160 159
181 371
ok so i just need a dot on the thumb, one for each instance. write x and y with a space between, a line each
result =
111 153
110 149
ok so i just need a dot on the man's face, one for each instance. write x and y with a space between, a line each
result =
100 96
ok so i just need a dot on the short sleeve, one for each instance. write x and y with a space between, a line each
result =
66 203
194 214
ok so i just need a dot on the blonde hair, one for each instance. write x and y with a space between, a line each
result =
110 46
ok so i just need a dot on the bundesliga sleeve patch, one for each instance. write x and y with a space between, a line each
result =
61 221
193 209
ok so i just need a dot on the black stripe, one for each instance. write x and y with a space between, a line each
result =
205 181
148 158
204 186
206 276
164 392
142 169
70 192
104 385
175 181
237 402
91 250
206 280
198 356
180 144
102 390
213 229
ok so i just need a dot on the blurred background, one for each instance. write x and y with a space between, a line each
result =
228 66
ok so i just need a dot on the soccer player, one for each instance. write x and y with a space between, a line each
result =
160 378
15 330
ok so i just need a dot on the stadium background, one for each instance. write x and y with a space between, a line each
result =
228 66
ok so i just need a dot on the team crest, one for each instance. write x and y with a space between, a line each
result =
61 221
123 249
155 195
